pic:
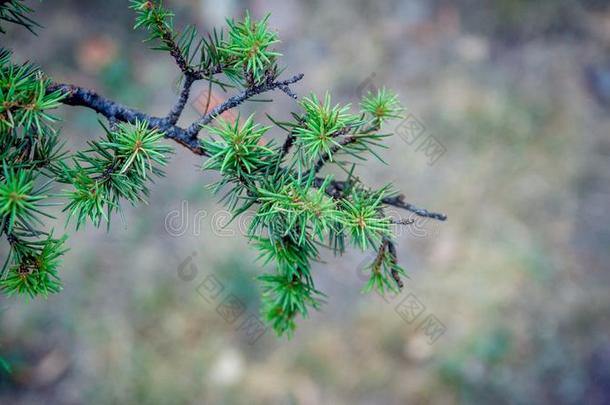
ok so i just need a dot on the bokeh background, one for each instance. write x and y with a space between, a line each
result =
517 92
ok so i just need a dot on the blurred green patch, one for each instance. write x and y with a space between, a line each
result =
464 369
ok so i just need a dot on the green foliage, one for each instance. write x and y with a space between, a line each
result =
19 202
322 125
363 219
295 217
23 97
249 49
383 271
156 19
4 365
295 214
284 298
114 169
289 208
33 162
381 106
14 11
137 148
196 55
245 57
289 257
240 153
29 149
34 271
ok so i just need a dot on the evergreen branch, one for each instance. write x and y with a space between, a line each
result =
322 123
362 136
114 169
236 100
296 212
385 271
248 51
158 21
174 50
288 91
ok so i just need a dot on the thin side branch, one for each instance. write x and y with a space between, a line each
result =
177 109
336 188
399 202
406 221
288 143
392 252
236 100
167 37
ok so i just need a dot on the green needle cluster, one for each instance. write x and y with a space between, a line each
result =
322 127
249 48
111 170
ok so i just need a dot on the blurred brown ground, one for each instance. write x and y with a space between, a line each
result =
513 90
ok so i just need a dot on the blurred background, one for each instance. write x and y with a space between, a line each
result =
507 301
